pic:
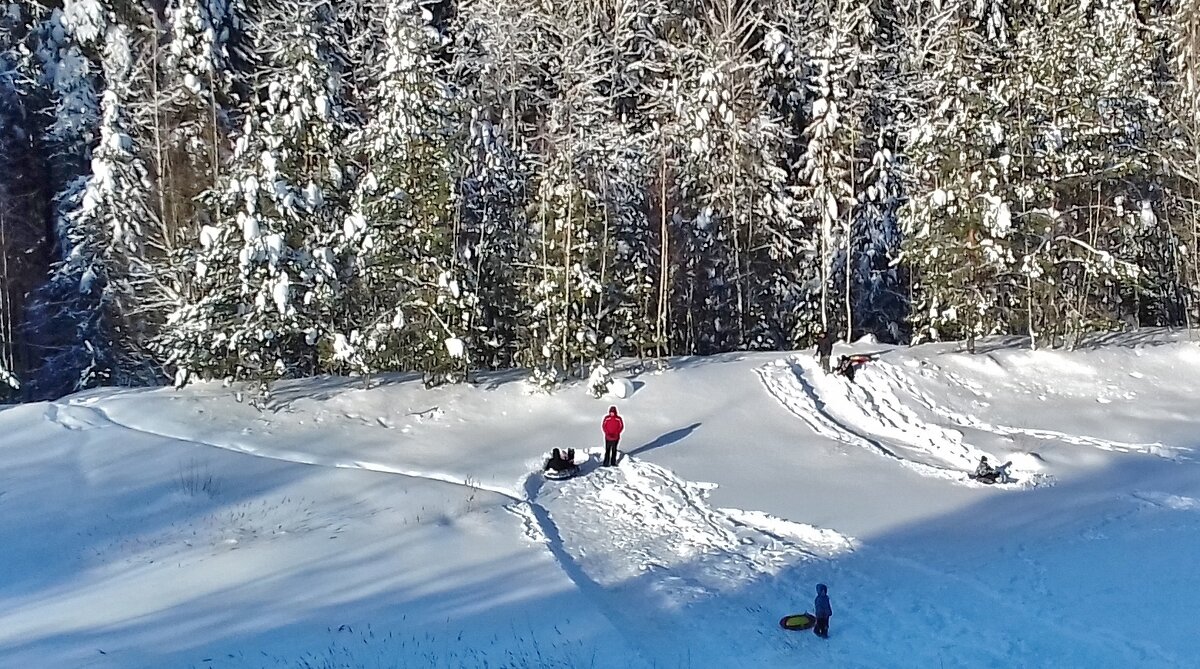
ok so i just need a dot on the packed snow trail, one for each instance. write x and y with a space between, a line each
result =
897 380
871 414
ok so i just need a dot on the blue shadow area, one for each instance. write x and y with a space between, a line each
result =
666 439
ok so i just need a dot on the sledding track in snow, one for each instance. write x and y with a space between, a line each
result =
898 381
788 382
873 414
655 556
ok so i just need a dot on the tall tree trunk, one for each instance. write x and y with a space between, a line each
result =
662 321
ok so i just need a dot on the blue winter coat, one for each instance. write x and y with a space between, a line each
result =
823 610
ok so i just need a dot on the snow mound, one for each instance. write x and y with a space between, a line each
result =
656 557
1027 462
620 388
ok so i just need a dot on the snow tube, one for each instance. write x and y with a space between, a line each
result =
798 621
560 474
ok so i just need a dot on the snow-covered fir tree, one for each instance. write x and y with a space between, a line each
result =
1183 154
288 186
414 306
267 279
959 221
1085 113
564 285
791 290
498 75
734 181
23 198
87 318
832 135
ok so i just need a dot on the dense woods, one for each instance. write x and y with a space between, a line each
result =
254 189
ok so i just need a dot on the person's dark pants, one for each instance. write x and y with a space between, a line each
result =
610 452
822 627
825 363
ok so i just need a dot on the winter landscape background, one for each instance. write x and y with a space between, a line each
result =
295 297
199 189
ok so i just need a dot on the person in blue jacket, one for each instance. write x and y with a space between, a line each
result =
823 612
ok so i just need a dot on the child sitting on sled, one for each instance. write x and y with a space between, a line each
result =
559 462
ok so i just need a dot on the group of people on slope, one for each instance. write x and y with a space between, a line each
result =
612 426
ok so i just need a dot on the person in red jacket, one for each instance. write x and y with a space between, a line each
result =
612 436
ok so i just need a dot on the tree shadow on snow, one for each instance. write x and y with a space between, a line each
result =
949 590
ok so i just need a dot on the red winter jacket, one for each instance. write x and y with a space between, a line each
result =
612 425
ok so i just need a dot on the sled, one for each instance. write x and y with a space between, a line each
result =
569 472
561 474
798 621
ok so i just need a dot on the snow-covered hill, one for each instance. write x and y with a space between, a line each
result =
336 526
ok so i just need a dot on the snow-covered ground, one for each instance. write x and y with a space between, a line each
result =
335 526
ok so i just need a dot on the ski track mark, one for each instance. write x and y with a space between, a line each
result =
1167 501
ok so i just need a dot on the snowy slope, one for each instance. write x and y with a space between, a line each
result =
336 526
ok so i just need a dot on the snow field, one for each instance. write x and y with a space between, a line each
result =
335 526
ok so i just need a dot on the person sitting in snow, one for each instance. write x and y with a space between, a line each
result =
556 461
822 611
985 472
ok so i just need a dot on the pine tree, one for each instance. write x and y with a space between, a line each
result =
1183 155
499 72
23 194
1083 120
959 222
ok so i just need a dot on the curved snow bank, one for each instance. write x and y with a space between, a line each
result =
73 416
